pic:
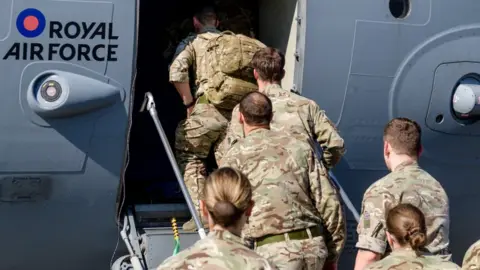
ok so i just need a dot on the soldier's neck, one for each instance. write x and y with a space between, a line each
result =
236 230
263 84
249 129
396 160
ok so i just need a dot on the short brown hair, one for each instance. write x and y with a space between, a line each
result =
228 194
256 109
407 224
206 15
404 135
269 63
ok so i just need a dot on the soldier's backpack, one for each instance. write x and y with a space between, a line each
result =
228 74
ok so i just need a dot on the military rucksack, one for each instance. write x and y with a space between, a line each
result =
228 74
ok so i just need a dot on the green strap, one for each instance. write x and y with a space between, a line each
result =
202 100
295 235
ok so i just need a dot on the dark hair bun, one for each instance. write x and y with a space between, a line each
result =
225 213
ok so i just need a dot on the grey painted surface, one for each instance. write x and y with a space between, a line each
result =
364 67
59 175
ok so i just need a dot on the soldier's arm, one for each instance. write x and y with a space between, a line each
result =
179 72
372 239
327 135
230 159
329 206
233 134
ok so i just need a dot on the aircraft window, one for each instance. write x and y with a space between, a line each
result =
399 8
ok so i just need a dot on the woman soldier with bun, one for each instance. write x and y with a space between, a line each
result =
406 235
227 204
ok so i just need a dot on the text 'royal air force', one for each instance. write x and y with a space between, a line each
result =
66 41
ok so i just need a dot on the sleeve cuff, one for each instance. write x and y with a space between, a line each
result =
371 244
179 78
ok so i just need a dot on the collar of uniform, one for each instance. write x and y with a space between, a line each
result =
404 252
271 86
257 131
225 235
209 29
405 164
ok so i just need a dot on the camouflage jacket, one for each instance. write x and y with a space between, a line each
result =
189 54
408 259
219 250
287 187
471 260
298 116
408 183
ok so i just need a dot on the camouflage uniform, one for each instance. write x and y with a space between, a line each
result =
289 198
195 136
219 250
408 183
471 260
408 259
298 116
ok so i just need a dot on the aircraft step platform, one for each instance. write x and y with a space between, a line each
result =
148 235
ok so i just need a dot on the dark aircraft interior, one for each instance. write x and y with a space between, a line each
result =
149 177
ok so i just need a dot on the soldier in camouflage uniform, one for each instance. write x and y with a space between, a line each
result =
294 114
407 182
195 136
227 205
407 234
471 260
292 205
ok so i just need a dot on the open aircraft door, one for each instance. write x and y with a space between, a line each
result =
66 81
366 62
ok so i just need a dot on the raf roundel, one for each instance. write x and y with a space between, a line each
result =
31 23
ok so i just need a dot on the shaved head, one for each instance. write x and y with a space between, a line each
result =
256 109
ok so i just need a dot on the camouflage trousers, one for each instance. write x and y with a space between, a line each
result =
194 139
308 254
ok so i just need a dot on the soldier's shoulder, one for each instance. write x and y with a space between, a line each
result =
376 186
472 256
304 104
433 263
417 176
175 261
234 148
475 247
280 135
420 173
187 40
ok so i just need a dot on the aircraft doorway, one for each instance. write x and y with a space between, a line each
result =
149 176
